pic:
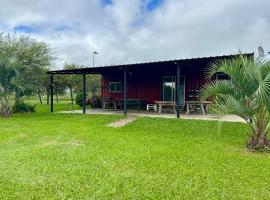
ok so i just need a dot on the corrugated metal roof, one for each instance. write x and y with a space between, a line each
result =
120 66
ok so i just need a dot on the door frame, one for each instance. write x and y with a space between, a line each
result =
174 78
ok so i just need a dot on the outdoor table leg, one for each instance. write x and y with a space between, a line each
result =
206 108
187 109
202 109
159 108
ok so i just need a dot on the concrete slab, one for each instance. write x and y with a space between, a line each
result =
227 118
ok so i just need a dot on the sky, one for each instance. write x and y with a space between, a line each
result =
132 31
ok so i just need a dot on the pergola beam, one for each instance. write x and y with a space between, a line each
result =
84 93
51 86
125 91
178 91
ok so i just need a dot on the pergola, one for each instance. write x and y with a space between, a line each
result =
121 69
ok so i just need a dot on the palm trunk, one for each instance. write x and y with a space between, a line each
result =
258 141
6 107
262 141
259 138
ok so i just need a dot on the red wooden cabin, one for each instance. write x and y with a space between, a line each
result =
153 81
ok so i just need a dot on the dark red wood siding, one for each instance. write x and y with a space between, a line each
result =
147 84
139 87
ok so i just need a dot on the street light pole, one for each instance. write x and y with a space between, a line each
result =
94 53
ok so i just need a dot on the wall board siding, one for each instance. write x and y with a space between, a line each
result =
146 84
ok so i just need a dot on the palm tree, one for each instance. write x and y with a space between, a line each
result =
8 84
245 93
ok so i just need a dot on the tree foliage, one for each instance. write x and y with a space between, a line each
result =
23 62
74 82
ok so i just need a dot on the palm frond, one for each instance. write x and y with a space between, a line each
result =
215 88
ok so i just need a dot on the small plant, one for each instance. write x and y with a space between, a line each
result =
22 107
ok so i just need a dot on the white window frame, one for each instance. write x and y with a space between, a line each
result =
114 91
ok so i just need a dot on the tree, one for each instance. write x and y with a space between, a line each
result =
246 93
8 83
60 86
20 60
94 84
37 82
74 82
41 82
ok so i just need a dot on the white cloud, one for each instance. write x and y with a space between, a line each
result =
124 31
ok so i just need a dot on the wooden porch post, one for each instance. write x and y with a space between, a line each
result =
51 86
177 91
84 93
125 91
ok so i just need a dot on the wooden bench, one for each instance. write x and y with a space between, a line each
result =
137 103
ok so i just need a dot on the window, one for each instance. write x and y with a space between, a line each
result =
115 87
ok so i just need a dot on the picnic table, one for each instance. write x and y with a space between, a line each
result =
202 104
165 104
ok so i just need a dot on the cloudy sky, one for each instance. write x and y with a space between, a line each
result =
127 31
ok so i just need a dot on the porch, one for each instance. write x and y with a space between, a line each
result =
142 113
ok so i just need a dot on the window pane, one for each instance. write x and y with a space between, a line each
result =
117 87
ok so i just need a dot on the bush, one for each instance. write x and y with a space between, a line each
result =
22 107
79 99
94 101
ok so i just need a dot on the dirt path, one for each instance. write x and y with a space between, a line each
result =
123 122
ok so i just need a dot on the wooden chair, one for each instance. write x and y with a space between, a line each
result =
152 107
108 104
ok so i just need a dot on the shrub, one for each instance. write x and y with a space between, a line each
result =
79 99
22 107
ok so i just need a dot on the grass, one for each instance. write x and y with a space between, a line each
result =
75 156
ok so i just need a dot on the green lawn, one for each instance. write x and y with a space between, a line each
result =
75 156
